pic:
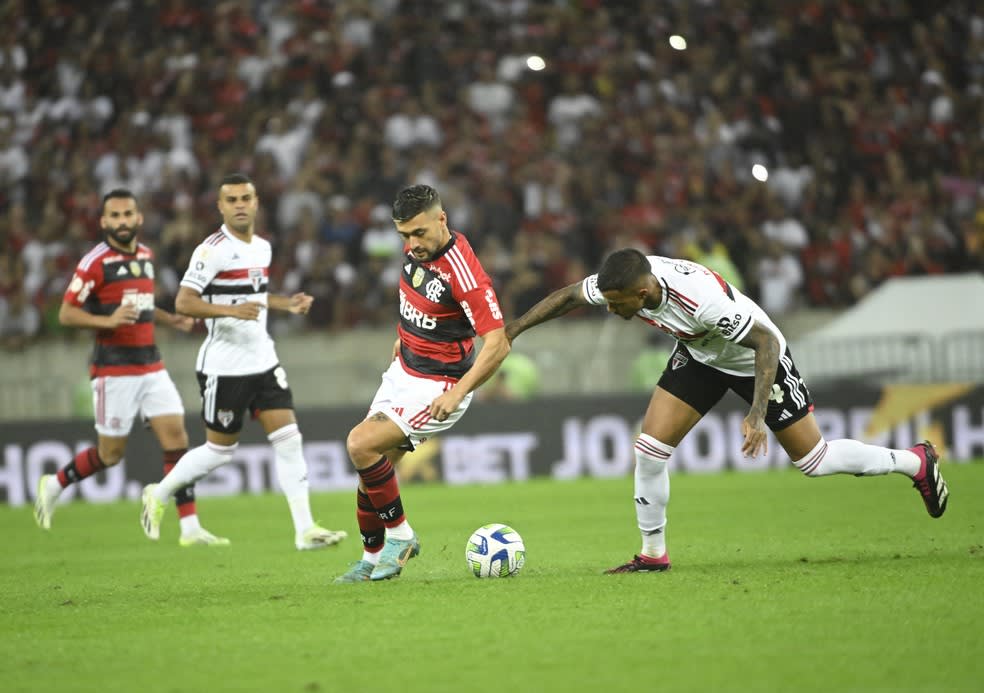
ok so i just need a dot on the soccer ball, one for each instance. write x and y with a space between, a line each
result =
495 551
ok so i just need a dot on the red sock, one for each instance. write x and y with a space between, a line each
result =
85 464
184 497
370 526
384 492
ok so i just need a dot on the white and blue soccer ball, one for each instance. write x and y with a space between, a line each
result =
495 551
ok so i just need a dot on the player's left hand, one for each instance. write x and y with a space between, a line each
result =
300 303
756 438
442 407
183 323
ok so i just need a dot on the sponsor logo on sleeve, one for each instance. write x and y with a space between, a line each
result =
727 326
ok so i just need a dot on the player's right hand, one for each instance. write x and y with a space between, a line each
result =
125 314
249 310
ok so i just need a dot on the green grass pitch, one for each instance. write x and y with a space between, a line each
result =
780 583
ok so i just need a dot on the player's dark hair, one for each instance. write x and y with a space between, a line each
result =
117 194
622 270
235 179
413 200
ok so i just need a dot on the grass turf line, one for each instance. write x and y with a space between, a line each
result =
779 583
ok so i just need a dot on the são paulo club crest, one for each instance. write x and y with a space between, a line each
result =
256 278
679 360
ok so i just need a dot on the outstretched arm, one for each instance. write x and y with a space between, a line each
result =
766 347
299 303
73 316
178 322
494 350
189 302
558 303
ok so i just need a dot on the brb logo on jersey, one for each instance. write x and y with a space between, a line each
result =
140 301
414 315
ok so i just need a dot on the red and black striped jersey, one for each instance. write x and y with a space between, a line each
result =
105 279
444 304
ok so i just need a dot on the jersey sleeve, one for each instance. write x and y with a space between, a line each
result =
481 305
204 265
82 284
725 316
472 288
589 288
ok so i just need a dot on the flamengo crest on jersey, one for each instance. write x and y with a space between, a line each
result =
226 271
444 303
104 279
702 311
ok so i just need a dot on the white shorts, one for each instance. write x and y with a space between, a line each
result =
117 399
406 399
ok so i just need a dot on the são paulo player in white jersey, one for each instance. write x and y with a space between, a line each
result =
237 366
446 300
724 341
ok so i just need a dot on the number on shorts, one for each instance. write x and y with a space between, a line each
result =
281 375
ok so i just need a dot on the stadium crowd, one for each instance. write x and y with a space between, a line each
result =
868 117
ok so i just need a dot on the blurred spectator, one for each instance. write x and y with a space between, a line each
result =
867 116
20 322
780 278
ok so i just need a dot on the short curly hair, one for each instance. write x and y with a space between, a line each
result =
413 200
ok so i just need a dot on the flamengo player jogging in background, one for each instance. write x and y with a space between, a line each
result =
446 298
724 341
112 292
238 370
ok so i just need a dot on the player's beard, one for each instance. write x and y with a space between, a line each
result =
123 235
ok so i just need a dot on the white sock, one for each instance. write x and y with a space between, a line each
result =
854 457
652 493
192 466
371 557
288 452
402 531
190 525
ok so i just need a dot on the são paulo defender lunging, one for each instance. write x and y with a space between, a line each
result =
724 341
446 298
112 292
238 370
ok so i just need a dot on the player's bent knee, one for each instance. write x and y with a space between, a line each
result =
359 447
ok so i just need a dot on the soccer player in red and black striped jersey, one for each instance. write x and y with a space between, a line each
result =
446 299
112 292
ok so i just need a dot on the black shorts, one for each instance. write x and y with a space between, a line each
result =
702 387
227 398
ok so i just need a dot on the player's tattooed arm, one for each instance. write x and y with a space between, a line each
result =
558 303
766 346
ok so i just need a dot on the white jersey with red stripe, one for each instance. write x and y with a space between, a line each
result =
704 312
226 270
